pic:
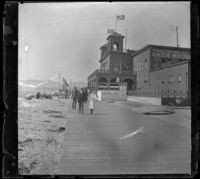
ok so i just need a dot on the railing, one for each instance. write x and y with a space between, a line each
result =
111 86
103 84
175 98
106 53
168 97
148 93
110 72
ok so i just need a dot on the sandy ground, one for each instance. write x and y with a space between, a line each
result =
41 127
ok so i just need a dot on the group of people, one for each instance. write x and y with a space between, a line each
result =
82 96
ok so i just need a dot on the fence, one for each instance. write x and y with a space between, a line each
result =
168 97
175 98
155 94
111 86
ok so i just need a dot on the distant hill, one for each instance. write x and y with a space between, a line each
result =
33 82
33 86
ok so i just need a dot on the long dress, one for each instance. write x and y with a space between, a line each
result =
92 98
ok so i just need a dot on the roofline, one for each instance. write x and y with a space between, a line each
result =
157 46
104 45
116 35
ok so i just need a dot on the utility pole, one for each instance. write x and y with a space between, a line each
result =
177 36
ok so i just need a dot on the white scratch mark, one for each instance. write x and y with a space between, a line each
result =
141 129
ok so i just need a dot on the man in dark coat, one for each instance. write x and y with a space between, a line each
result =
86 95
74 98
80 97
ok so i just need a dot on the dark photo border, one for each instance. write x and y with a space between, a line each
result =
10 98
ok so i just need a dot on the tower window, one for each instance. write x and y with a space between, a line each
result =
116 47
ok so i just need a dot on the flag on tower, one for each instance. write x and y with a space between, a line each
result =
120 17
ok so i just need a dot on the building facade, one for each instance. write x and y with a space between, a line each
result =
116 66
162 68
152 68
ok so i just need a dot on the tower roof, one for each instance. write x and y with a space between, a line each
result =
104 45
115 34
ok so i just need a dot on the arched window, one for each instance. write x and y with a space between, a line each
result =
116 46
103 82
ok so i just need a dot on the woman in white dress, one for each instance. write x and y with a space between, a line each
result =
92 98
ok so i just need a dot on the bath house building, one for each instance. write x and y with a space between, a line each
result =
151 68
116 66
162 68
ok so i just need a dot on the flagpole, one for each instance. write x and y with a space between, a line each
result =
177 36
126 39
115 24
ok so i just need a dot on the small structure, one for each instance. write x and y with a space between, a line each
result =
113 95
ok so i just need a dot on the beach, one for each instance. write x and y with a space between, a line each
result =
41 128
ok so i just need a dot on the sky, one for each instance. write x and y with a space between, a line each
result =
66 37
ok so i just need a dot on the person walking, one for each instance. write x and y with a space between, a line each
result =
92 98
74 98
80 97
85 94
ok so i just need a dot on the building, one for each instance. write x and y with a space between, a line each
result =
116 66
152 68
162 68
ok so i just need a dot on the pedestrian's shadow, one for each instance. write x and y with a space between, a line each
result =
94 114
100 114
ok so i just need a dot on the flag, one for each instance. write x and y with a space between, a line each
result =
65 82
110 31
120 17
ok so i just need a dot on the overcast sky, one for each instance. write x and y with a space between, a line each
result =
66 37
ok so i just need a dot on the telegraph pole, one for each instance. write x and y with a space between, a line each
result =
177 36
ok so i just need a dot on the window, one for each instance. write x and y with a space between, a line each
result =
145 64
115 46
179 78
168 60
157 81
171 79
163 60
163 81
145 78
138 65
151 82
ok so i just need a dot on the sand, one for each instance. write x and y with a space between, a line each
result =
41 128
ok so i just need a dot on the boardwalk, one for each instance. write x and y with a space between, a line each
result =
116 140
